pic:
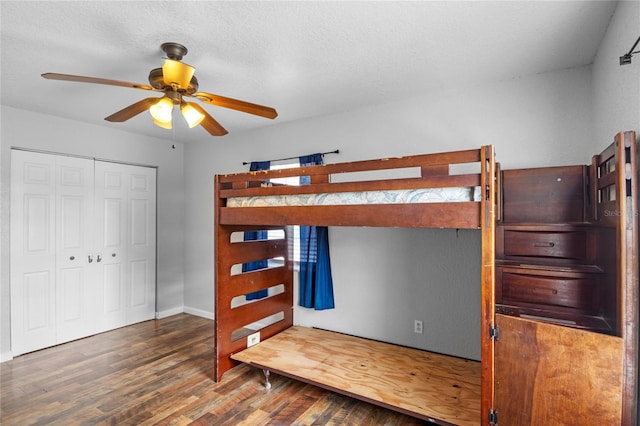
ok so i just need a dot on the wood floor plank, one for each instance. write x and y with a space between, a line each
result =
160 372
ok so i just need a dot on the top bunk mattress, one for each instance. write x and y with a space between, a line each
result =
409 196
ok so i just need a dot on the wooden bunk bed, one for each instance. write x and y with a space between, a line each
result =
437 388
559 288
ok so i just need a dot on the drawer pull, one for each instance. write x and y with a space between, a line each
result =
549 244
539 290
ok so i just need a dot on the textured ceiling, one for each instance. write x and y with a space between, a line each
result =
303 58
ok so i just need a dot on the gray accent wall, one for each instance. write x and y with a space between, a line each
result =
386 278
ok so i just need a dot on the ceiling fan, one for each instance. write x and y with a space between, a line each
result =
176 80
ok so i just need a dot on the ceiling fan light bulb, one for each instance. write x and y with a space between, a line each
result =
178 73
191 115
163 124
162 110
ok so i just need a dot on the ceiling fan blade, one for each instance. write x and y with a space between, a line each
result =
132 110
96 80
209 123
255 109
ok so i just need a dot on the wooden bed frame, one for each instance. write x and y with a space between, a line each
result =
233 323
523 355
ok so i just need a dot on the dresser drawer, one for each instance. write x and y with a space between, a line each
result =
560 245
576 292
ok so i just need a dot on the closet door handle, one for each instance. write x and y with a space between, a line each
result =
90 259
99 259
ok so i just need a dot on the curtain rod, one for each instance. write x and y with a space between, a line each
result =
626 58
337 151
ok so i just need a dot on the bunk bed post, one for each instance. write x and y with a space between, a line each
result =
487 223
628 250
221 234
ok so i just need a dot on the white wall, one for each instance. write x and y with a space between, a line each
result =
41 132
386 278
616 88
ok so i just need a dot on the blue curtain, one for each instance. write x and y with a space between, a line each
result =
316 283
256 235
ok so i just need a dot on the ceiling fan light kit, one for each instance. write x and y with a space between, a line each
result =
177 73
164 124
176 80
162 110
192 115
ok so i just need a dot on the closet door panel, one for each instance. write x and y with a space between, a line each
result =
37 322
126 196
32 251
142 243
37 224
70 295
76 289
110 243
139 274
112 309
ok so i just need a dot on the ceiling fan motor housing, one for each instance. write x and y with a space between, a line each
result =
156 81
174 51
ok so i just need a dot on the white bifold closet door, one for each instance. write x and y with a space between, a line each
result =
83 248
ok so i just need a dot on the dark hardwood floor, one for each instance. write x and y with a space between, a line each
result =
161 373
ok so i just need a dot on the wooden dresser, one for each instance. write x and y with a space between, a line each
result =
566 319
551 259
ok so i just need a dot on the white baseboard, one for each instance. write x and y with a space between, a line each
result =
186 310
169 312
199 313
6 356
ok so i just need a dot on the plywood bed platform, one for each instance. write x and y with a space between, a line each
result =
438 388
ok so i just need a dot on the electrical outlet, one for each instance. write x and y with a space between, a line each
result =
253 339
417 326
